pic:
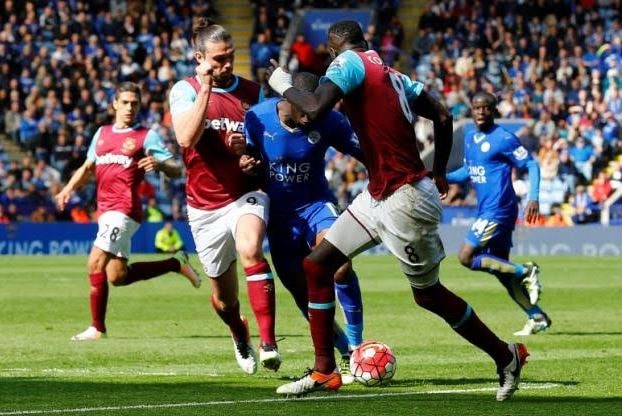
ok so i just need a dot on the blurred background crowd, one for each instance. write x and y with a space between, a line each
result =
557 64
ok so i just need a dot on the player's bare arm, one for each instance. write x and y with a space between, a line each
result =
428 107
170 168
77 180
188 126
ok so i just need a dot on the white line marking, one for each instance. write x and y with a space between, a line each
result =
524 386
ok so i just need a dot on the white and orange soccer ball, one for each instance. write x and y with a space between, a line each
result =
373 363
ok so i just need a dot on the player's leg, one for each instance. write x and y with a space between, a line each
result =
419 249
216 250
288 248
114 235
249 231
347 237
492 256
487 248
349 295
98 296
225 301
145 270
320 217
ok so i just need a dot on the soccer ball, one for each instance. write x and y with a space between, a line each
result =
373 363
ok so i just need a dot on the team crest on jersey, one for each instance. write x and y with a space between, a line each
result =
314 137
520 153
128 145
485 147
478 137
100 142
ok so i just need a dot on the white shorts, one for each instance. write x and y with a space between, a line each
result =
114 234
406 222
214 230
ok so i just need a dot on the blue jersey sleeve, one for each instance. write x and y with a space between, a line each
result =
459 175
346 71
344 139
155 146
181 97
250 128
514 151
90 154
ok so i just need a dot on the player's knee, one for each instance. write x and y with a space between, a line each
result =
117 278
427 297
343 274
466 259
318 274
249 251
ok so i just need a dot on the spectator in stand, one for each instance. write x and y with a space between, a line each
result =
304 54
583 206
583 157
601 188
262 50
12 121
557 217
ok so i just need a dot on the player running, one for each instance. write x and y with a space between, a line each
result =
490 153
291 152
401 206
119 156
226 211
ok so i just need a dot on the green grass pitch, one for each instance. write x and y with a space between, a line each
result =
168 354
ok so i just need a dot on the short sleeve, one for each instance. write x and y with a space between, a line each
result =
347 71
181 98
90 154
154 145
412 88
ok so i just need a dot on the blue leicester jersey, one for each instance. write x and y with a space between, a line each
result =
293 159
488 158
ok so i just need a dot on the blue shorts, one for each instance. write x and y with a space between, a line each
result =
490 237
291 235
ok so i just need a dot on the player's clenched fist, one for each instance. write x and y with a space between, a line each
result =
204 71
236 143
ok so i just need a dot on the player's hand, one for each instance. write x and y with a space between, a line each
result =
204 71
279 78
148 163
250 165
440 180
532 212
236 143
61 199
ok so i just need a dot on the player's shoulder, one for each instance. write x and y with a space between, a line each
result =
503 133
183 89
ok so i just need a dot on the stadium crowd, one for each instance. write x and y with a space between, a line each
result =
555 63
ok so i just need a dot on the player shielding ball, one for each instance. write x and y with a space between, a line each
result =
119 156
401 206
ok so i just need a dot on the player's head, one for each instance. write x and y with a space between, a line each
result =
213 43
308 82
344 35
126 104
484 109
